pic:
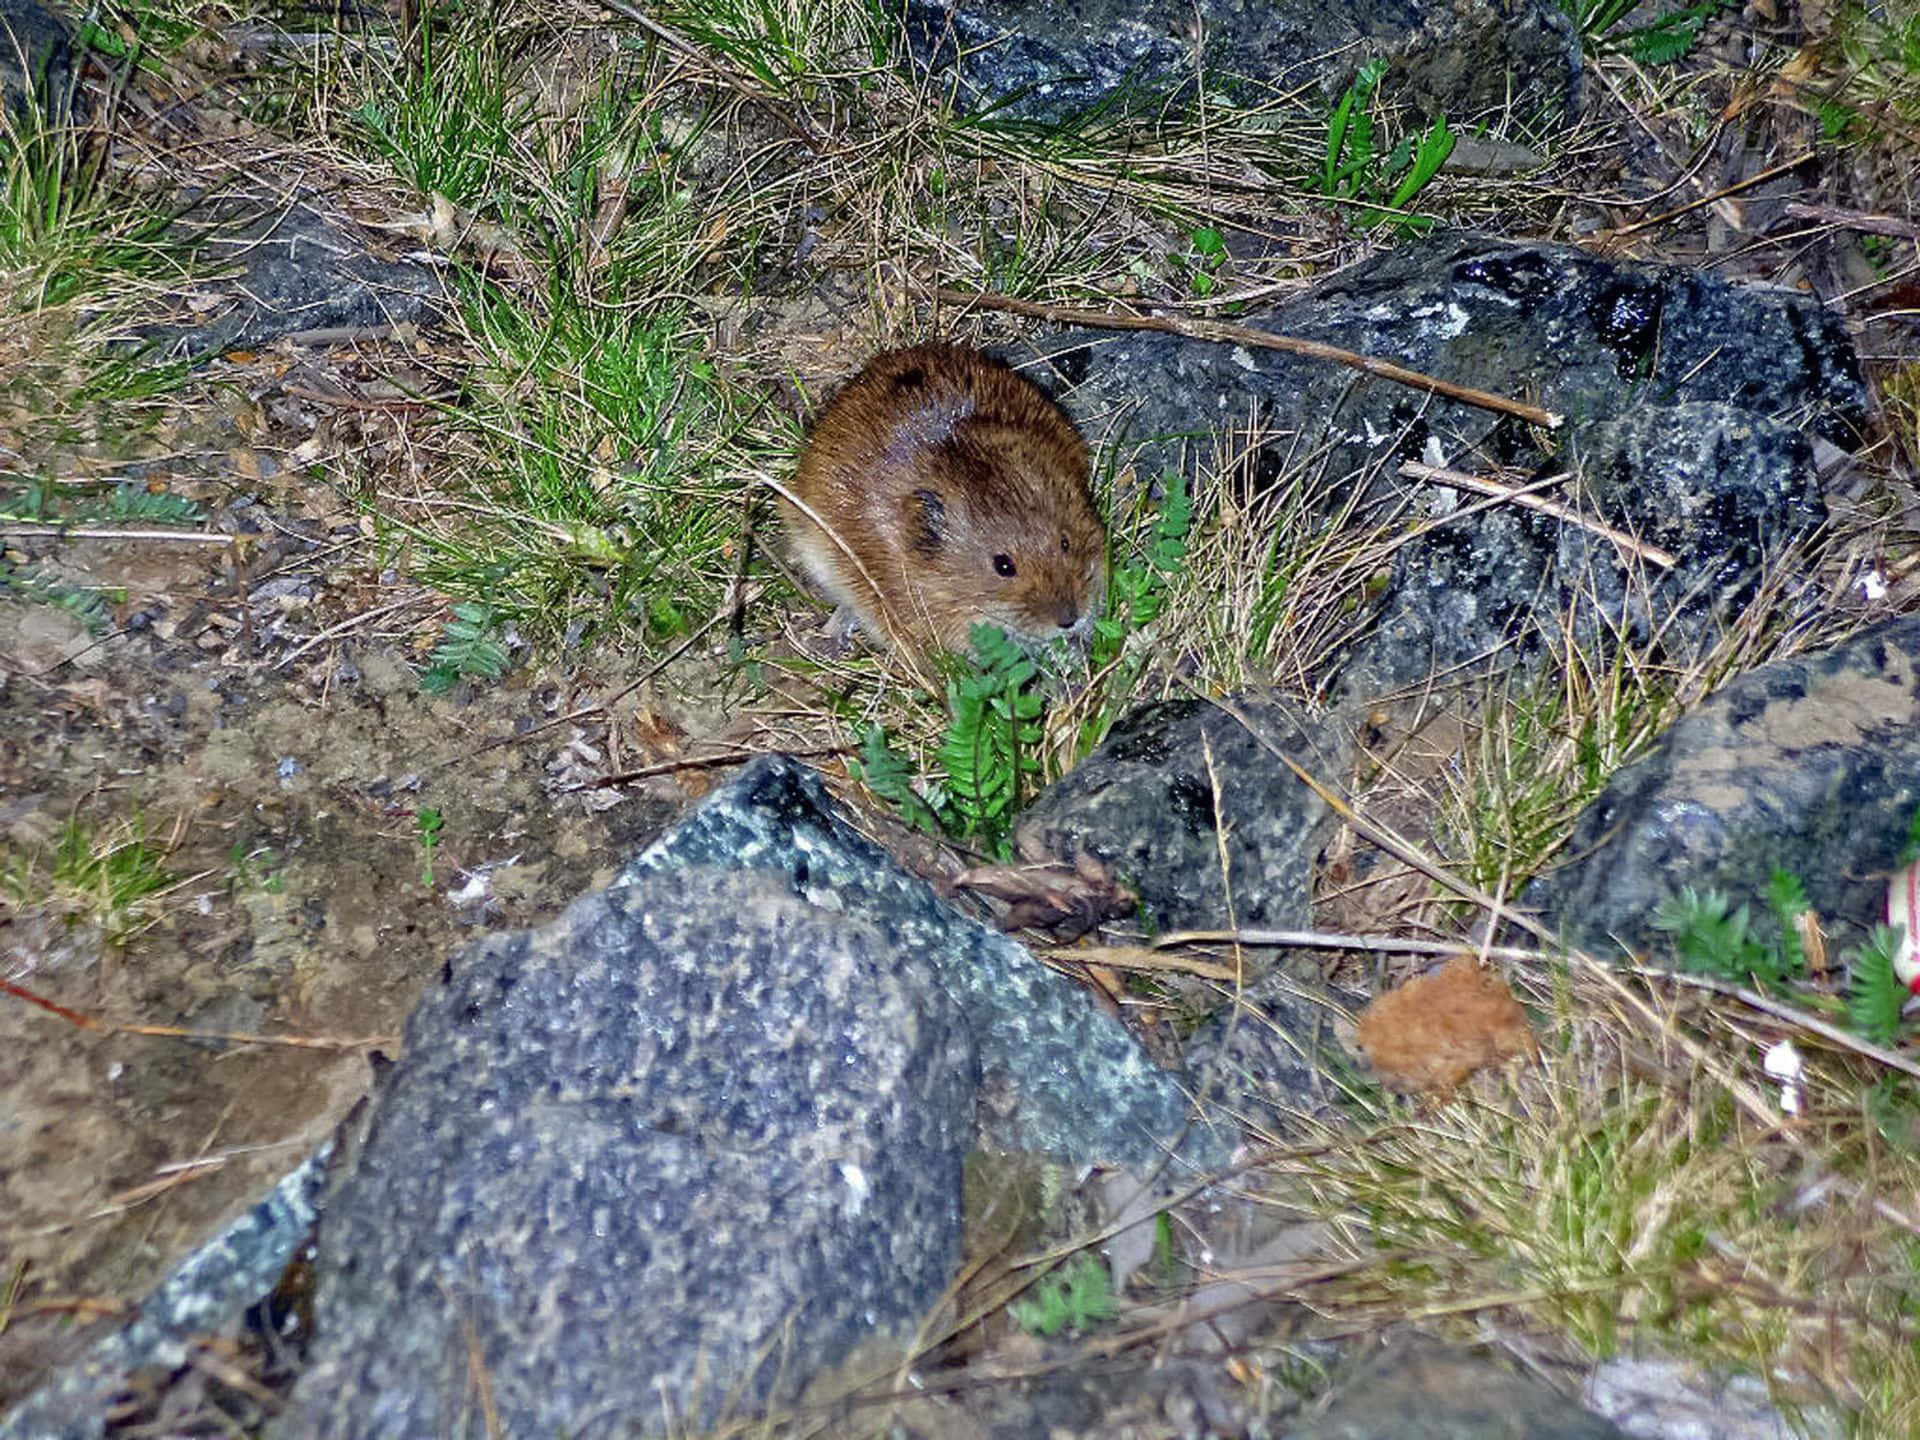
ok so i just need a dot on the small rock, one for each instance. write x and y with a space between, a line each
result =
1661 1398
1417 1389
1143 805
1809 765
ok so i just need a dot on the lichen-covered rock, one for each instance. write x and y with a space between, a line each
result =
1052 61
1143 804
1687 401
669 1154
1724 491
301 270
1068 1081
1810 765
1270 1057
36 63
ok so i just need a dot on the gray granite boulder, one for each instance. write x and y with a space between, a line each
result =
663 1160
1054 61
1811 765
1068 1081
695 1138
1689 405
1272 1058
1144 805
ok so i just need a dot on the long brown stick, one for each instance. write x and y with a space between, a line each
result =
176 1032
1747 184
1224 334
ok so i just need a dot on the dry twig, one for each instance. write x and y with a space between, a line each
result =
1223 334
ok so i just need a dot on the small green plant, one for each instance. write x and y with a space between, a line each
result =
1712 937
1137 591
788 48
1166 1251
1910 847
153 33
1076 1297
1136 594
993 730
466 648
66 226
1594 18
254 869
1381 187
1661 42
1878 63
32 583
1875 996
1787 898
110 881
449 123
37 504
1671 36
886 772
1200 262
122 504
427 824
599 432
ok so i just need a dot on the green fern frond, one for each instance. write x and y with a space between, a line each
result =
990 749
1788 897
1875 996
32 583
886 773
136 502
467 647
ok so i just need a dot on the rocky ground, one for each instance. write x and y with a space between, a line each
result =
238 839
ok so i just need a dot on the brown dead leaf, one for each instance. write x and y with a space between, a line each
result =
1437 1029
1048 895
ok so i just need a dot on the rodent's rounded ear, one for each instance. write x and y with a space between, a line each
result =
926 519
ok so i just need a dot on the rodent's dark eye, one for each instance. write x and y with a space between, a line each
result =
1066 546
1003 566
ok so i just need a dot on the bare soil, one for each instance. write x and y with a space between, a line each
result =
281 783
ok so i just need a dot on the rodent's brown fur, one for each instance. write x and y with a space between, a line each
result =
936 469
